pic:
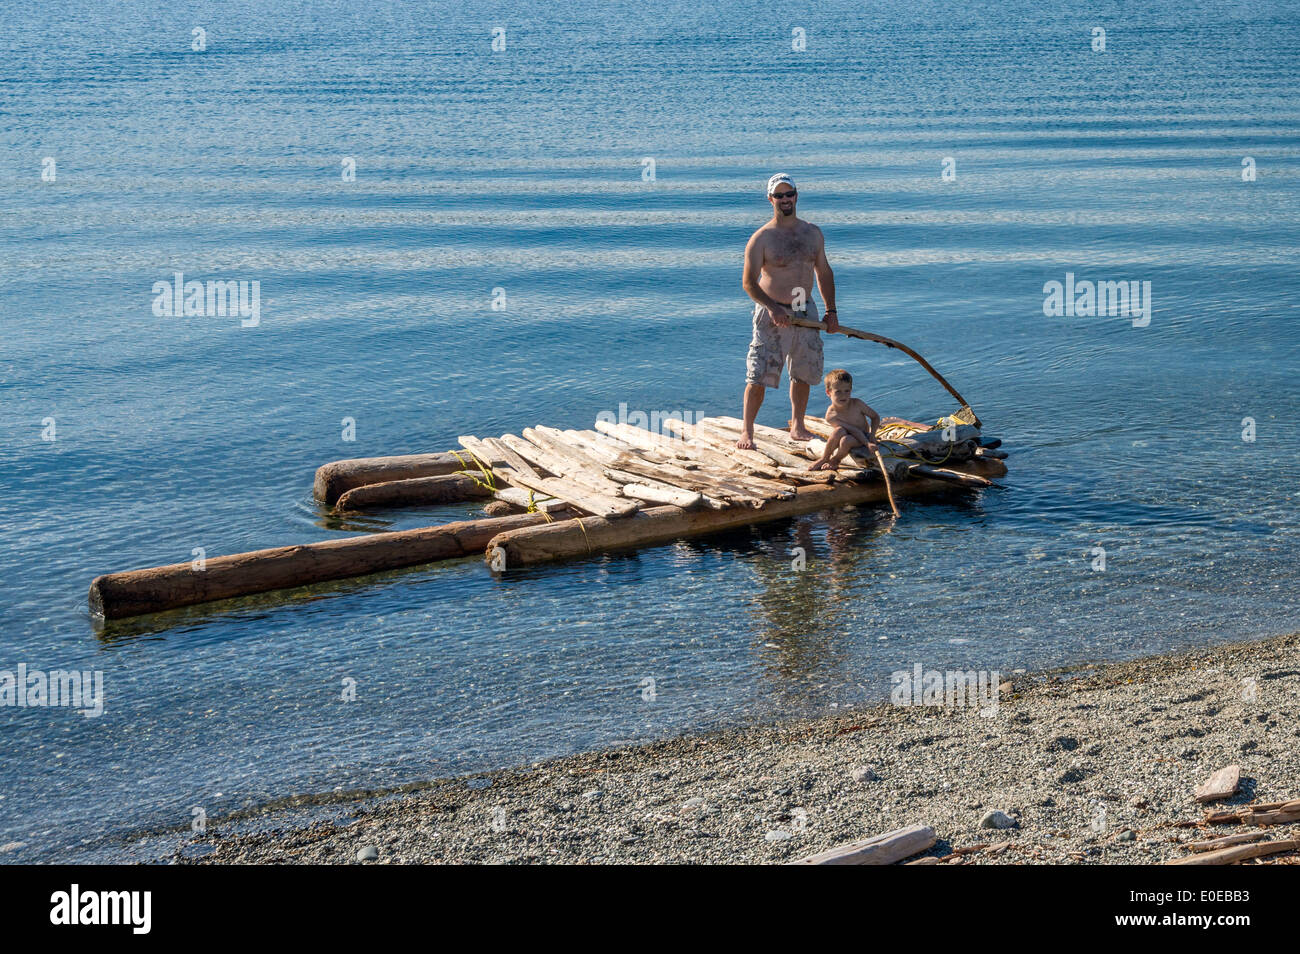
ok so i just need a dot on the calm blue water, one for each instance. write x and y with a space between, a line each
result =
522 170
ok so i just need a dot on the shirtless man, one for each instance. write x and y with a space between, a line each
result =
780 261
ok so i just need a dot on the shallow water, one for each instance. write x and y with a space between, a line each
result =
522 170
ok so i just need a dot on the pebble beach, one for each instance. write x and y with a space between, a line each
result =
1091 765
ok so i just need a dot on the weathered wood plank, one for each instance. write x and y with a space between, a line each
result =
885 849
1230 856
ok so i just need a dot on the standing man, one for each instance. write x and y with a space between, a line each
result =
780 261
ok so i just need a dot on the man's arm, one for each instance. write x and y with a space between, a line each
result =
826 283
749 281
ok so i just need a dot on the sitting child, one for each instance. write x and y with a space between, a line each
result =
854 420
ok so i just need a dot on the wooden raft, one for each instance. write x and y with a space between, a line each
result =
580 492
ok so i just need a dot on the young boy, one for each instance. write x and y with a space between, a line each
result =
854 420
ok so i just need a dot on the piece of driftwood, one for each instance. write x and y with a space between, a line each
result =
1213 844
886 849
1222 784
529 500
418 491
663 524
1268 813
335 479
1230 856
136 592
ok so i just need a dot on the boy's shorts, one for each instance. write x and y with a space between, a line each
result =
799 349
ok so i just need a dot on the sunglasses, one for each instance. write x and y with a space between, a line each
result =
785 195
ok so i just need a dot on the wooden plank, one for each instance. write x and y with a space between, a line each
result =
642 488
521 474
771 435
1227 841
1230 856
1222 784
563 467
740 483
753 460
779 455
625 463
522 498
886 849
950 475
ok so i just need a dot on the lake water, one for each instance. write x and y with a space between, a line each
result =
522 170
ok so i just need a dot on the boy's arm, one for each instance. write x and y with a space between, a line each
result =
872 418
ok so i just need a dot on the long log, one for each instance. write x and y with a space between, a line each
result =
335 479
884 849
136 592
574 538
419 491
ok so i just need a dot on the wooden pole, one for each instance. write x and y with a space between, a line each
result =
136 592
891 343
884 475
574 538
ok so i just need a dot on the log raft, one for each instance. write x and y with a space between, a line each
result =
583 491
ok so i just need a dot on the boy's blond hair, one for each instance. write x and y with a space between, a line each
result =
838 376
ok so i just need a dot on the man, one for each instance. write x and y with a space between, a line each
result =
780 261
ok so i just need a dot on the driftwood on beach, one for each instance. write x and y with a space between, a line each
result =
886 849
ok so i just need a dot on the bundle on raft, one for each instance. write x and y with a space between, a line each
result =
569 493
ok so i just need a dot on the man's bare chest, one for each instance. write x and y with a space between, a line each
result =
783 249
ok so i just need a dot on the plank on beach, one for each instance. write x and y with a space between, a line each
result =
336 478
136 592
886 849
574 538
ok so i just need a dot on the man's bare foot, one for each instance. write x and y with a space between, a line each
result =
800 433
822 465
746 441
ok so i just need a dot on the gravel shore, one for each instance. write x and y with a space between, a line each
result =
1093 765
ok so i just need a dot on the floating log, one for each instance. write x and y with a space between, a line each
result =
886 849
335 479
136 592
419 491
1222 784
949 474
574 538
1230 856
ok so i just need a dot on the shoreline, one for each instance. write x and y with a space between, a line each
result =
1096 768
